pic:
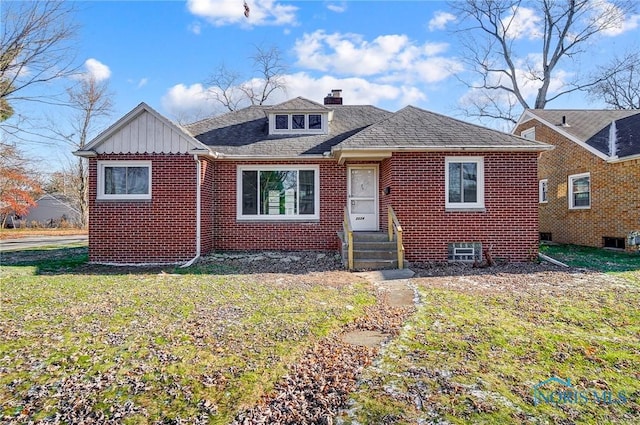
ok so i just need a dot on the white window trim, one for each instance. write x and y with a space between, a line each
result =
122 163
479 204
265 217
570 191
540 191
528 132
291 130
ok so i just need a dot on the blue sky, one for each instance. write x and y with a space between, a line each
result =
385 53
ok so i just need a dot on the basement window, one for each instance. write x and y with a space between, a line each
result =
614 243
545 236
465 251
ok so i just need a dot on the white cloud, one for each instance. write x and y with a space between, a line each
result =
195 28
143 82
191 102
228 12
184 102
337 7
440 20
96 70
523 23
389 57
613 19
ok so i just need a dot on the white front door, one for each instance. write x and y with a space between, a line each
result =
362 197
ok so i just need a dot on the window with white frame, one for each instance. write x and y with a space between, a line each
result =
529 133
278 193
464 182
580 191
543 190
124 180
297 123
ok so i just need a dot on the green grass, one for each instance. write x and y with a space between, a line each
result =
593 258
474 356
147 347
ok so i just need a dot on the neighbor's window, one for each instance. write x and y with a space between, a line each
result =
529 133
580 191
124 180
543 186
276 193
464 181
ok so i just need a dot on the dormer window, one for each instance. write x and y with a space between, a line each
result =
298 123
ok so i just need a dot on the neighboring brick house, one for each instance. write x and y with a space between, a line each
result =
590 183
284 177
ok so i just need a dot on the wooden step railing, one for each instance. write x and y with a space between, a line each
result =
393 226
348 234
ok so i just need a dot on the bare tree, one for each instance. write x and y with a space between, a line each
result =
35 49
492 33
92 102
232 91
621 90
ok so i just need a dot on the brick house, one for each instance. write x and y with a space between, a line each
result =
590 183
292 176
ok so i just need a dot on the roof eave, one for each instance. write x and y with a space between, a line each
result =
85 153
615 160
235 157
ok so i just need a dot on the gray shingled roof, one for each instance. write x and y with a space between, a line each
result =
246 131
413 127
593 127
299 104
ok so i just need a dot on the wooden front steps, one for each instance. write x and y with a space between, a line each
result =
371 251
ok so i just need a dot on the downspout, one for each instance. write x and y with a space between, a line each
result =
198 212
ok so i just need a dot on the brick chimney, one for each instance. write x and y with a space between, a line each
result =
334 98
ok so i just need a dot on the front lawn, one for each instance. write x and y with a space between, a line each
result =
479 345
79 343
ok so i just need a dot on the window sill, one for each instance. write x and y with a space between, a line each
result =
480 209
147 200
579 208
278 220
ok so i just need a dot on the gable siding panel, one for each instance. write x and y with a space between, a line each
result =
145 134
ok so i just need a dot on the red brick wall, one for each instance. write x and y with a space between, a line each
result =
508 227
163 229
160 230
615 192
231 234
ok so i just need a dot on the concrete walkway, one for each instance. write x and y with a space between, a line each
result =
393 286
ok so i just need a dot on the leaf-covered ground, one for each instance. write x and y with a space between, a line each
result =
482 339
79 344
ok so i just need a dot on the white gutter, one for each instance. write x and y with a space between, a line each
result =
223 156
198 212
452 148
624 158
